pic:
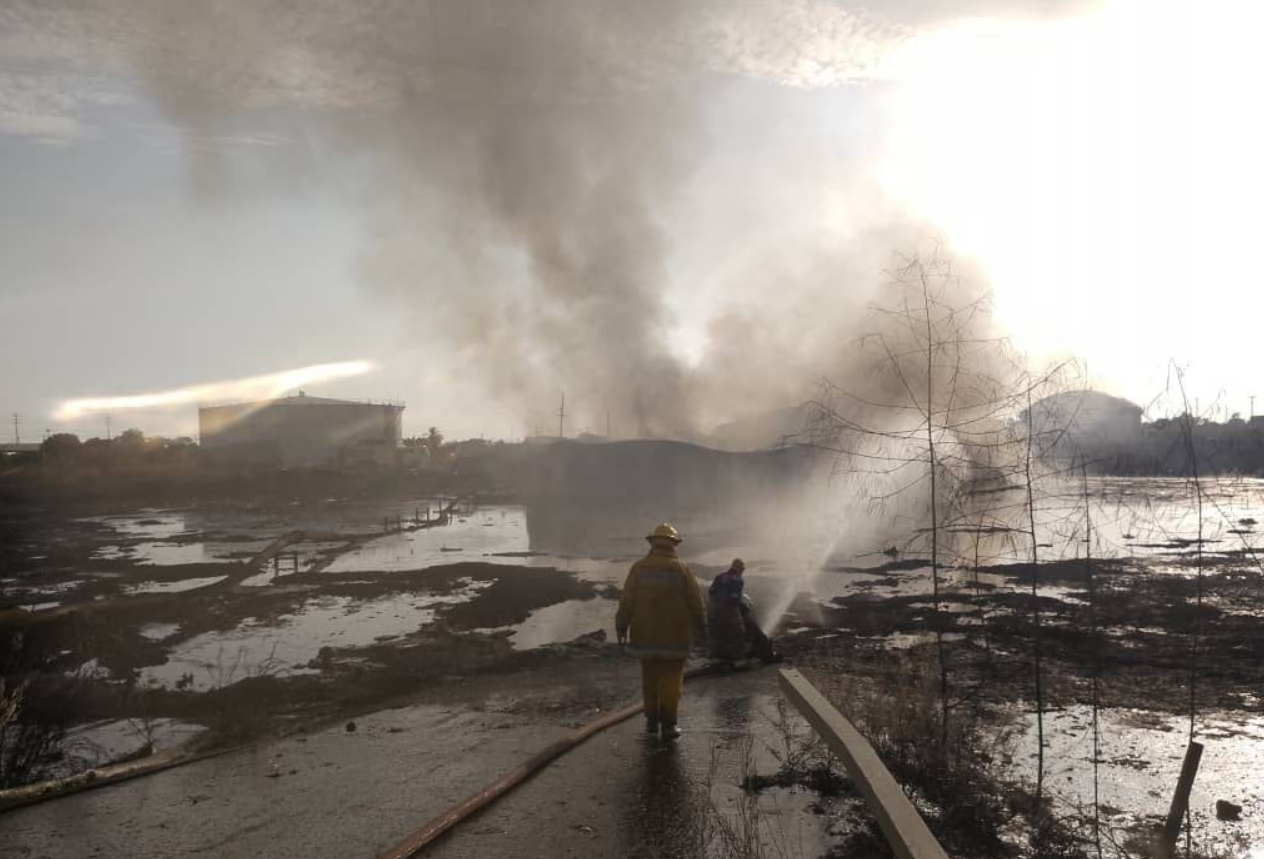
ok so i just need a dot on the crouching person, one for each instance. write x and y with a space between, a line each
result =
734 632
658 610
728 627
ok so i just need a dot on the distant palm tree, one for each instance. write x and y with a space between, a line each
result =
434 440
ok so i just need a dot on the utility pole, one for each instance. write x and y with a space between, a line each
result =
607 424
561 418
1252 399
107 428
17 433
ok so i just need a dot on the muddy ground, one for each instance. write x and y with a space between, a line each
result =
336 793
112 624
1154 652
94 627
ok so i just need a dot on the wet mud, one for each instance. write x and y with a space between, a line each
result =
168 614
1139 629
108 618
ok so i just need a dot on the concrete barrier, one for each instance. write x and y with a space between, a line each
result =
903 827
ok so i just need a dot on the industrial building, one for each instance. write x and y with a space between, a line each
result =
303 431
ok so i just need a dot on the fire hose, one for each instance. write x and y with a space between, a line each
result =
428 834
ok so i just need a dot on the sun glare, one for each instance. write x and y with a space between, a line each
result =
270 385
1104 170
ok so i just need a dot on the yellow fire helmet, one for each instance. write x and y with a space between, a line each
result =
664 532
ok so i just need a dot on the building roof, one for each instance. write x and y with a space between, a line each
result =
1086 399
302 399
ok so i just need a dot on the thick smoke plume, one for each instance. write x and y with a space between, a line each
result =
546 183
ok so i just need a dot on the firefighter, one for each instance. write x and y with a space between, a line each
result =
734 632
660 606
727 629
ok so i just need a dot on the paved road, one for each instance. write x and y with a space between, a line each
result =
350 795
622 795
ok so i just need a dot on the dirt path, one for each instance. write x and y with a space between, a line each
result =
345 795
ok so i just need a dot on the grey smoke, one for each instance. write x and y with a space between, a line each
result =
531 170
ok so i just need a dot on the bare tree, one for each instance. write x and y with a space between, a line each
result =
929 422
1191 465
1037 670
1090 582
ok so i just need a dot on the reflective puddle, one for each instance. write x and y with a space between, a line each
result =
173 587
287 644
482 536
1139 762
562 622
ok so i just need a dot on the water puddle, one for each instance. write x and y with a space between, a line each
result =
562 622
287 644
22 592
490 534
162 554
296 558
159 631
596 571
49 589
1132 517
149 523
740 736
1140 760
177 587
909 640
216 535
834 584
954 584
99 743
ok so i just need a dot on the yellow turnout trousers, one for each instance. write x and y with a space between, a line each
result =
662 681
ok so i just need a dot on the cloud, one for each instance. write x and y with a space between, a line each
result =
44 107
366 54
339 53
369 54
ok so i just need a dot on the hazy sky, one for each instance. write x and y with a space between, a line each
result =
1097 165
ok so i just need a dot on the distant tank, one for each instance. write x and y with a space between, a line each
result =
302 432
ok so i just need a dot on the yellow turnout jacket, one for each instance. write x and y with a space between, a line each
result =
660 604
